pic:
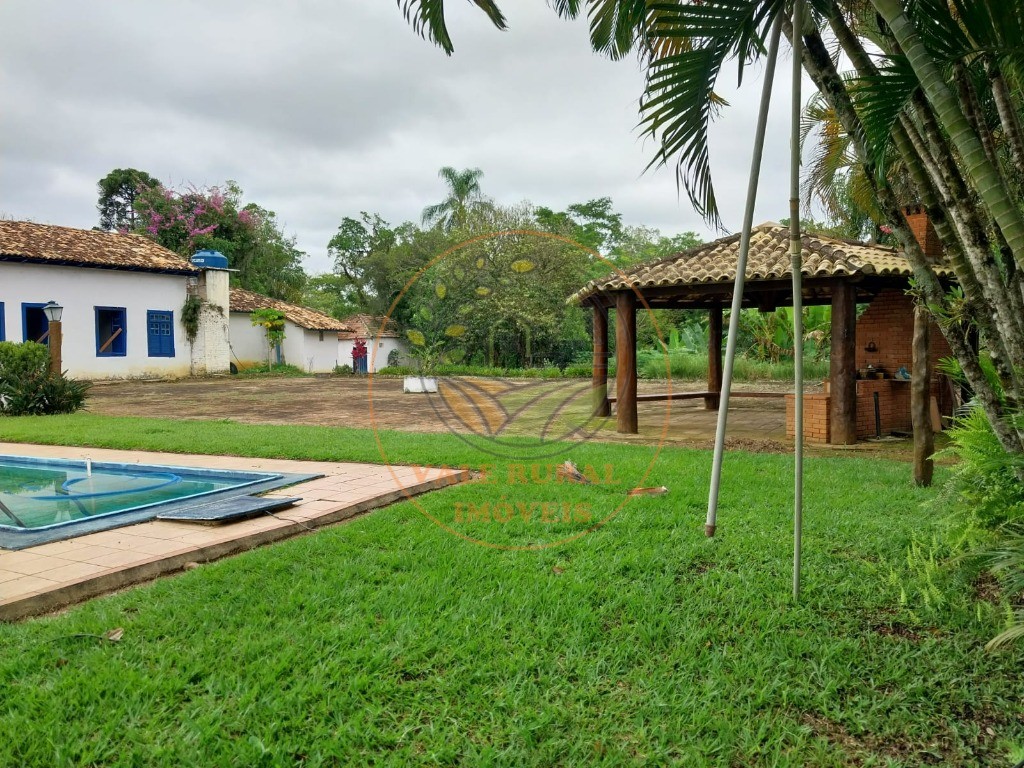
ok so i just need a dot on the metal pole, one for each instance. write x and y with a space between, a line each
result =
741 270
796 248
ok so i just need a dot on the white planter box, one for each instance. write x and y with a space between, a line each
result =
420 384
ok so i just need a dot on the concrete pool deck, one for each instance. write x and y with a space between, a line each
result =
43 578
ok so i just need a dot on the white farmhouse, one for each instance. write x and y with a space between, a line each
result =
383 341
310 337
123 297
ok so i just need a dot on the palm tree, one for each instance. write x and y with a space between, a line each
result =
464 196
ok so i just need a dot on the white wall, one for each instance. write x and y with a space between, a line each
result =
317 356
301 348
80 290
248 342
378 358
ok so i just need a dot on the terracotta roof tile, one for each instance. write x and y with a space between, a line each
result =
247 301
768 259
49 244
368 327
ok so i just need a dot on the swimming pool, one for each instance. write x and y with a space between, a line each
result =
45 500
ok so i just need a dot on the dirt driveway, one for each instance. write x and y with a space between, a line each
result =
335 401
492 407
549 409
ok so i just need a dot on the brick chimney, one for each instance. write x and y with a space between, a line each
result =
917 220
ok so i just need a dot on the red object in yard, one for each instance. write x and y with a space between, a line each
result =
359 356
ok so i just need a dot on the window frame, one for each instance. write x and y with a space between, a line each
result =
25 307
115 349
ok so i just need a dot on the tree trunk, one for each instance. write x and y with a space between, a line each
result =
1007 117
920 398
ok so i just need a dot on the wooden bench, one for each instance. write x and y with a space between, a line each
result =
651 398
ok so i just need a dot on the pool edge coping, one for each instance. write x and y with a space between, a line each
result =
48 600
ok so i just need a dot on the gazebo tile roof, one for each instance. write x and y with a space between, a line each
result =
768 259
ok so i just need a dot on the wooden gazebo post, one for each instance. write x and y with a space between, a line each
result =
843 366
599 383
714 358
625 362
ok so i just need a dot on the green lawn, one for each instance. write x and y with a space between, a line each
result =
389 641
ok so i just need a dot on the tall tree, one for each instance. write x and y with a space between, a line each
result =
250 236
464 196
374 259
118 191
594 224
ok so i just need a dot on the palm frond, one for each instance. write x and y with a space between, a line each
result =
427 19
436 214
679 99
879 100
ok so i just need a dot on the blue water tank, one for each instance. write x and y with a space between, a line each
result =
209 260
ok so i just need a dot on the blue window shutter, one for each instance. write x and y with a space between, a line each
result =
160 333
3 326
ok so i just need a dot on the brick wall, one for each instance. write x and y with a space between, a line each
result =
923 230
893 406
889 323
816 417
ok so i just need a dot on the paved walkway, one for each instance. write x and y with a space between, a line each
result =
49 576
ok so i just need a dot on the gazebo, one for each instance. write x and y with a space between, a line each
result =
836 272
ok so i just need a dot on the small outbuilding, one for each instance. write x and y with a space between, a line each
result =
310 337
866 352
383 341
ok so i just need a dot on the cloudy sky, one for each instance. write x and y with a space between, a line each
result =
320 109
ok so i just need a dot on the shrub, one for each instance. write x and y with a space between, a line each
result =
985 484
20 360
396 370
986 496
277 369
343 369
27 388
693 366
578 371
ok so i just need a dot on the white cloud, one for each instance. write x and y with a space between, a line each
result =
321 109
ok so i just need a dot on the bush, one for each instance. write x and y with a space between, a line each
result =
27 388
578 371
986 484
396 370
21 360
278 369
343 369
693 366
